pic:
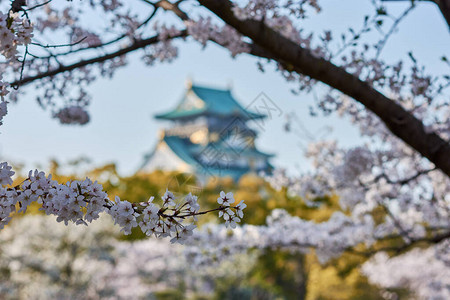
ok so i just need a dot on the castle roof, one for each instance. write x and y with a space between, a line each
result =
203 101
211 146
192 154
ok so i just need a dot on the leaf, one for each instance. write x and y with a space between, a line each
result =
9 21
381 11
412 57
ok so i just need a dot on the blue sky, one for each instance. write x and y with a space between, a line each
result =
122 129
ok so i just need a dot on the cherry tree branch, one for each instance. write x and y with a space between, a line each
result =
435 239
38 5
110 42
138 44
399 181
444 7
399 121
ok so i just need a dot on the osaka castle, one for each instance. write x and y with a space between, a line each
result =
208 135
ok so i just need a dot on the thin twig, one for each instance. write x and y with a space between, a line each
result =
38 5
394 26
117 39
59 46
98 59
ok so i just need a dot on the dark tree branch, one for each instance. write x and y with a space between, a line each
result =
400 181
39 5
435 239
110 42
399 121
444 6
58 46
138 44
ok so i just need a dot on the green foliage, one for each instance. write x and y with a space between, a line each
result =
169 295
281 273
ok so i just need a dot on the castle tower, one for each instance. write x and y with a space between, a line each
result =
208 136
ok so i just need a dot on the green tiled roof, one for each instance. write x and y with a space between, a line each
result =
182 148
215 102
246 152
189 152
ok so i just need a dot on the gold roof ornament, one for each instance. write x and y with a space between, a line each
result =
188 83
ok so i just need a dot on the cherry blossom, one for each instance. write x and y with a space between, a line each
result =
72 115
225 199
81 202
429 280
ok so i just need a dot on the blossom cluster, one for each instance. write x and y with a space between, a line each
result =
72 115
14 31
156 220
214 243
75 201
3 110
431 279
260 9
412 195
81 202
204 30
231 217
